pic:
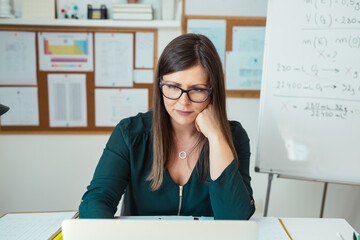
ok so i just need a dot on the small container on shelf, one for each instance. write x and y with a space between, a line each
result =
97 13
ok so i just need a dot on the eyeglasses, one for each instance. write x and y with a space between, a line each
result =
173 92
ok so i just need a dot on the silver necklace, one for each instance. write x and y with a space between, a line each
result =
183 154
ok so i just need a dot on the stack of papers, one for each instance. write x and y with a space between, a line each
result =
36 225
132 11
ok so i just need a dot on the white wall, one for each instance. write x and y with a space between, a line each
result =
46 172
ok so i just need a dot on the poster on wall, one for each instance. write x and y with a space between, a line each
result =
144 50
23 103
114 59
65 51
215 30
244 62
112 105
17 58
243 70
67 100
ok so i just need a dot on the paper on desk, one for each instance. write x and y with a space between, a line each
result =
318 228
17 58
270 228
144 50
112 105
24 226
114 59
23 103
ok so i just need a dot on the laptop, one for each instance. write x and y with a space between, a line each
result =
131 229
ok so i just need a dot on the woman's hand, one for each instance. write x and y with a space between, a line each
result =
207 123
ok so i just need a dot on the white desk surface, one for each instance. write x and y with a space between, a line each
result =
319 228
270 228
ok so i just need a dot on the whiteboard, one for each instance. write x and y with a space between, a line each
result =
309 122
250 8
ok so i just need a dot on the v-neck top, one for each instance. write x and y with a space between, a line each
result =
127 160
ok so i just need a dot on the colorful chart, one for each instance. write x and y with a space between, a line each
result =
79 47
65 51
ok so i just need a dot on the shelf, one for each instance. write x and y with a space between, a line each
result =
92 23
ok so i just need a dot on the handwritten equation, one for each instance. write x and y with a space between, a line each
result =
320 4
321 71
341 111
351 41
342 88
330 13
329 20
320 108
315 64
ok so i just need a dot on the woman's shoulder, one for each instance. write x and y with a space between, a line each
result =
140 123
237 129
240 139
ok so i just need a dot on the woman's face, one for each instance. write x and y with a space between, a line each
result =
183 111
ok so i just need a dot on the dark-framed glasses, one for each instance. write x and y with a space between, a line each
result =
173 92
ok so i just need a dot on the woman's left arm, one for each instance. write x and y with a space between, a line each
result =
229 183
220 153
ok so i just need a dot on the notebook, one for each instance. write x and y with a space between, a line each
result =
91 229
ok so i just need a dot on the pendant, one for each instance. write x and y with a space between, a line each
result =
182 155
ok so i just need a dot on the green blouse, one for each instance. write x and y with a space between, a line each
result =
126 163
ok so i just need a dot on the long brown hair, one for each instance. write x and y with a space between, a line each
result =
184 52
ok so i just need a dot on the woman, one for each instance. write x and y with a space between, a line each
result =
182 158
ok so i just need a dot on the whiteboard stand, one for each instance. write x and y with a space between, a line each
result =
324 191
270 178
323 200
271 175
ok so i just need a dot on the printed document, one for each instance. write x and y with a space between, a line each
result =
112 105
65 51
114 59
144 50
17 58
23 103
67 100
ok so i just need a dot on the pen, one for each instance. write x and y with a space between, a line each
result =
340 236
354 236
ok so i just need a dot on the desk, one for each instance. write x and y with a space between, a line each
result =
319 228
33 225
270 228
304 228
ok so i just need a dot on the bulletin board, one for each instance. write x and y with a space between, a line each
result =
42 83
231 21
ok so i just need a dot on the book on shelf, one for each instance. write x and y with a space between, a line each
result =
132 16
130 10
131 5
